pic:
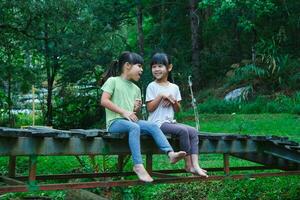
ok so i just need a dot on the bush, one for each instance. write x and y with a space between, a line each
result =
218 106
261 104
26 120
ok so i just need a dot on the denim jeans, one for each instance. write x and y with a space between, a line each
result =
135 129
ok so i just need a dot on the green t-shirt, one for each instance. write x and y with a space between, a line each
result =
123 94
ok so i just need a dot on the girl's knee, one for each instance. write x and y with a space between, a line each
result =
182 131
193 134
152 127
134 127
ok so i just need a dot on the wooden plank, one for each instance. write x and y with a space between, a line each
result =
108 146
84 133
13 132
48 132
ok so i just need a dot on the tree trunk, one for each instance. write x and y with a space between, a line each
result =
162 19
195 41
10 118
239 52
49 78
139 13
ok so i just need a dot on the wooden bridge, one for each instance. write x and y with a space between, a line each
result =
272 152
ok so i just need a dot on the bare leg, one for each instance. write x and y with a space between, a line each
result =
141 172
198 170
188 163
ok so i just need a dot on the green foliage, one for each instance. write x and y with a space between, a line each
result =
57 43
261 104
82 111
27 120
230 189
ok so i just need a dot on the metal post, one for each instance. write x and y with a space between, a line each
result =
32 173
94 163
194 104
120 162
149 163
12 166
33 106
226 163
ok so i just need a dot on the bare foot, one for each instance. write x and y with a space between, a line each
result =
203 170
176 156
188 169
196 166
141 172
199 172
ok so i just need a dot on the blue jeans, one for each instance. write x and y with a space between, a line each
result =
135 129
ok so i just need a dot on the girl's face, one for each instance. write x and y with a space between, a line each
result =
135 71
160 71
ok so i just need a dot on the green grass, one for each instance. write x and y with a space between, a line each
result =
253 124
261 188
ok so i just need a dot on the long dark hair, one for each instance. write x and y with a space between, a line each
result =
162 59
116 67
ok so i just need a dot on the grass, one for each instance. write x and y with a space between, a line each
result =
287 125
254 124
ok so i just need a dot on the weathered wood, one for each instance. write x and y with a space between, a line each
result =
85 133
109 146
48 132
13 132
100 142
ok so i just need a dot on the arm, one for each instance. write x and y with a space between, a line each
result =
107 103
177 99
168 100
176 106
137 105
152 105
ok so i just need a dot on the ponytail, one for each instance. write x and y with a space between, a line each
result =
110 72
117 66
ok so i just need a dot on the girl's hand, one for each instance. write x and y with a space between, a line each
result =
171 99
137 105
167 100
130 116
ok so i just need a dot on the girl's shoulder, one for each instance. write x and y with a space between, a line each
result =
173 85
110 79
136 87
152 84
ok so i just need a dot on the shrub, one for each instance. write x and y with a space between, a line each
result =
261 104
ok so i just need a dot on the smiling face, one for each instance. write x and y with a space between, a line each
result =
135 72
160 72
